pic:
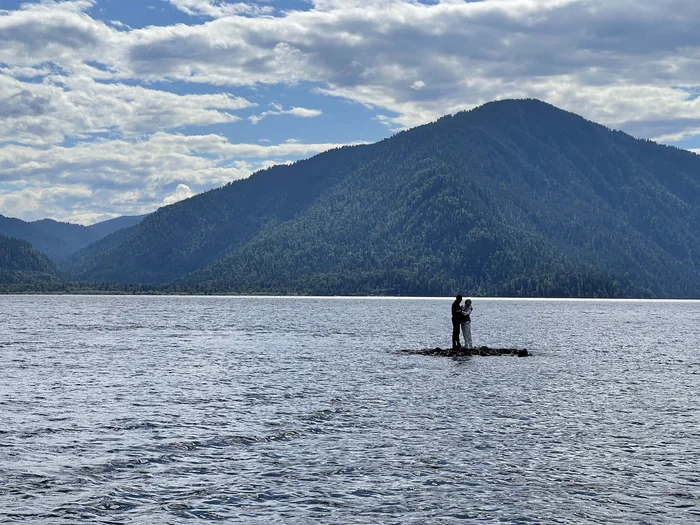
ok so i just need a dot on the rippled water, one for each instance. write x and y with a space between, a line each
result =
300 410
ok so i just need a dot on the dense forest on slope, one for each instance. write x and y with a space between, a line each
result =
22 268
512 198
58 240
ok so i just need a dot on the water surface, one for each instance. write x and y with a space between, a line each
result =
301 410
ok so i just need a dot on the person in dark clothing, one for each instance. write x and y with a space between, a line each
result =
456 320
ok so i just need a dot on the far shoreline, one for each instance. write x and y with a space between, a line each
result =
258 295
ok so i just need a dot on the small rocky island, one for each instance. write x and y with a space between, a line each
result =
462 352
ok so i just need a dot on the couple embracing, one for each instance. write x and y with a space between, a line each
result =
461 316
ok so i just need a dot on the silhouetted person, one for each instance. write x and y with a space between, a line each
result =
456 320
467 323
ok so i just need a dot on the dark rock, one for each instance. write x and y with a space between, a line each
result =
461 352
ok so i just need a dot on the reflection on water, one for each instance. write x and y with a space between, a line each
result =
299 410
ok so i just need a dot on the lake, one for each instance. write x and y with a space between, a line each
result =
163 410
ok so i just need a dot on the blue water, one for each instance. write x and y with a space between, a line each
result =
302 410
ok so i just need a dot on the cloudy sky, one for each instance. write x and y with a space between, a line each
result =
118 107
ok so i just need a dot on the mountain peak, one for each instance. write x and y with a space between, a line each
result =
515 197
515 111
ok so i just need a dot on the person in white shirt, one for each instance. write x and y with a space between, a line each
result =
467 323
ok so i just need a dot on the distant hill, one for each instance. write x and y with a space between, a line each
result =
513 198
23 268
71 237
104 228
44 241
57 239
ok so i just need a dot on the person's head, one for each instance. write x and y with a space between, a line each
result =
468 302
459 298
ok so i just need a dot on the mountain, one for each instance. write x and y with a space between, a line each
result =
23 268
42 240
104 228
70 237
57 239
515 197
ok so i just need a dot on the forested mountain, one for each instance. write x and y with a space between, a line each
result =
57 239
512 198
23 268
44 241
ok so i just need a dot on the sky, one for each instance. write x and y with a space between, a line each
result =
119 107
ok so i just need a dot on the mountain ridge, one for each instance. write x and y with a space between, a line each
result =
58 240
513 197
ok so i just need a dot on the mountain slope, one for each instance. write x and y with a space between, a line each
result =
513 198
191 234
22 267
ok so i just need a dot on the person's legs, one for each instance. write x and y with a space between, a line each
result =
467 333
455 334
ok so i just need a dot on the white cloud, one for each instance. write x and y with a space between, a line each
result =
57 33
25 72
383 53
88 105
219 8
182 192
44 202
77 106
278 110
136 176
